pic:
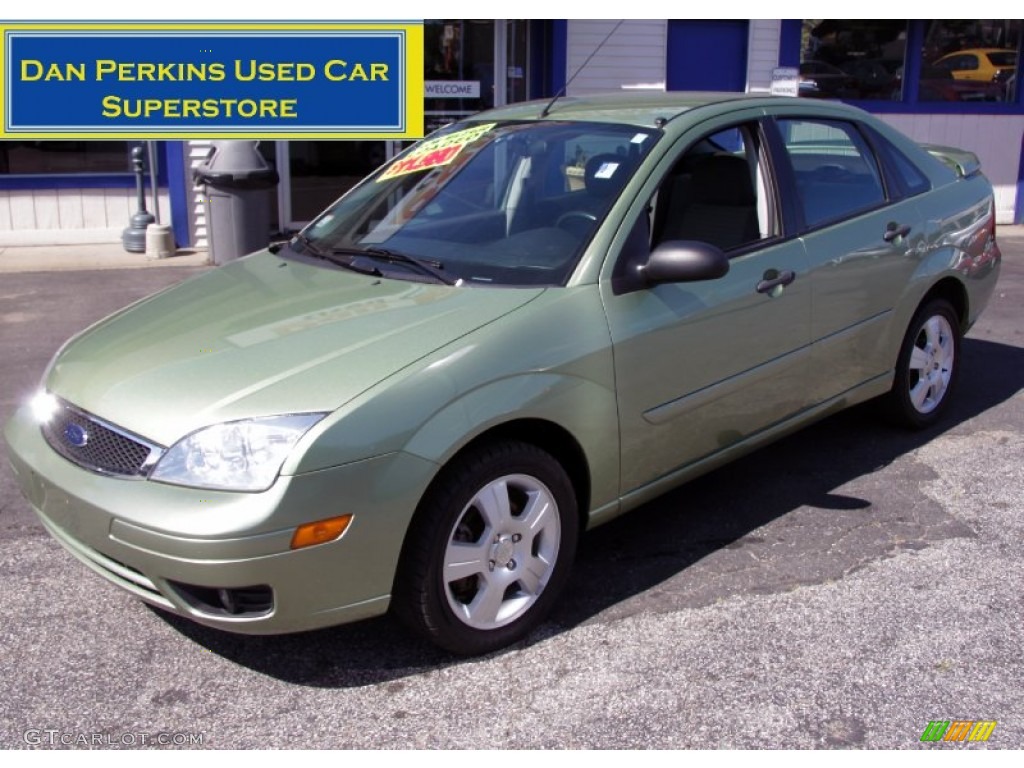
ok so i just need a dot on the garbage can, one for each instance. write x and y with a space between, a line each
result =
239 190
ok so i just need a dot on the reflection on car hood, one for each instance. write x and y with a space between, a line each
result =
262 336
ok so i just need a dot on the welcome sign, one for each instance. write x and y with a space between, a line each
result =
246 80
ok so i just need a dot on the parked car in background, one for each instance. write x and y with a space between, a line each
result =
819 79
421 400
987 65
937 84
875 78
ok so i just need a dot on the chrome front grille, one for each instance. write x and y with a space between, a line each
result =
97 445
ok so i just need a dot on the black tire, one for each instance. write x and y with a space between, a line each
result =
468 556
927 368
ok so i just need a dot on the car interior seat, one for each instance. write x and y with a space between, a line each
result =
716 204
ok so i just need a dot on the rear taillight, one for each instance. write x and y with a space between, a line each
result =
982 243
992 229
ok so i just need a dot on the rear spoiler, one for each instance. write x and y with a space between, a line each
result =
960 160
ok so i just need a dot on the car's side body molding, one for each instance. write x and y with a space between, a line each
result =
674 409
639 496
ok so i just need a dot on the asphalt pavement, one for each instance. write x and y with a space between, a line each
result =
841 588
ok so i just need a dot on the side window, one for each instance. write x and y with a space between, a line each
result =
912 178
909 179
836 173
717 192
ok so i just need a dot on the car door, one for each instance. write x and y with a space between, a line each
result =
701 366
862 238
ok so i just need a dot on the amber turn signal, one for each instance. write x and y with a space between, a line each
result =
321 531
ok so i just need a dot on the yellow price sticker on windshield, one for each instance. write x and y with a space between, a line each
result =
434 153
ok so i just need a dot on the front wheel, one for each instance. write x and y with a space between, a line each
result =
489 550
927 368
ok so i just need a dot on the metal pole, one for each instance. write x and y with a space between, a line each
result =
154 183
133 237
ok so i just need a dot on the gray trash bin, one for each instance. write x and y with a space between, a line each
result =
239 189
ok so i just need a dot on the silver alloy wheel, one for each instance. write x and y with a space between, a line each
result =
501 551
931 364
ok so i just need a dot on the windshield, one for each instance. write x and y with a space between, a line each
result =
486 203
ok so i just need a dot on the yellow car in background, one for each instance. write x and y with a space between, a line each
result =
990 65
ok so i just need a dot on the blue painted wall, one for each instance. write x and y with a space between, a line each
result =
707 55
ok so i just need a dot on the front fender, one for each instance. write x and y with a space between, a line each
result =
582 408
549 360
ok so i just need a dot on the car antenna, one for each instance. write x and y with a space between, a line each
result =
547 108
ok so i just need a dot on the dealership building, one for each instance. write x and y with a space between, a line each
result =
951 82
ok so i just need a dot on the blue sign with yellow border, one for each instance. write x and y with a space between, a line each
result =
245 80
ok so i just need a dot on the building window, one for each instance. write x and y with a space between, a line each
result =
967 60
961 61
852 59
64 157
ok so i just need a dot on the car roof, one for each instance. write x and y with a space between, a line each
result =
645 108
979 50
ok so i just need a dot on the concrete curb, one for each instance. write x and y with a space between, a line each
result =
60 258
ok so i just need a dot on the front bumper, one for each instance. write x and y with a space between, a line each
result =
150 538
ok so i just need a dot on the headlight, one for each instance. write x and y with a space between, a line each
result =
44 405
236 456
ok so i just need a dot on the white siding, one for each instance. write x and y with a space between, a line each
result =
117 206
995 139
5 210
762 53
197 151
69 216
94 209
634 55
23 210
70 209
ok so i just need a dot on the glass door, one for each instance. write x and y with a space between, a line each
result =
469 65
458 59
316 173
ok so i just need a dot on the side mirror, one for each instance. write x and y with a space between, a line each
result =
684 261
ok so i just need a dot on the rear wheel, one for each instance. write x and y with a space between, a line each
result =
927 369
489 550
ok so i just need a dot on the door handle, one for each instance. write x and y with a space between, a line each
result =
773 285
894 231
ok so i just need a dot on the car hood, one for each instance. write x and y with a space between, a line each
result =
262 336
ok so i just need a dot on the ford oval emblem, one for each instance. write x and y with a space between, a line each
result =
76 435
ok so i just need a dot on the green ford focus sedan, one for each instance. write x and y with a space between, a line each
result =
523 326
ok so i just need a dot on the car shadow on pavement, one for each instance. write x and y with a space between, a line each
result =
814 507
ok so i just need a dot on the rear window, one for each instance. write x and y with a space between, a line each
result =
1003 58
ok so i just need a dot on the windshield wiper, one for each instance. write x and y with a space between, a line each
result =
314 251
307 245
424 266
